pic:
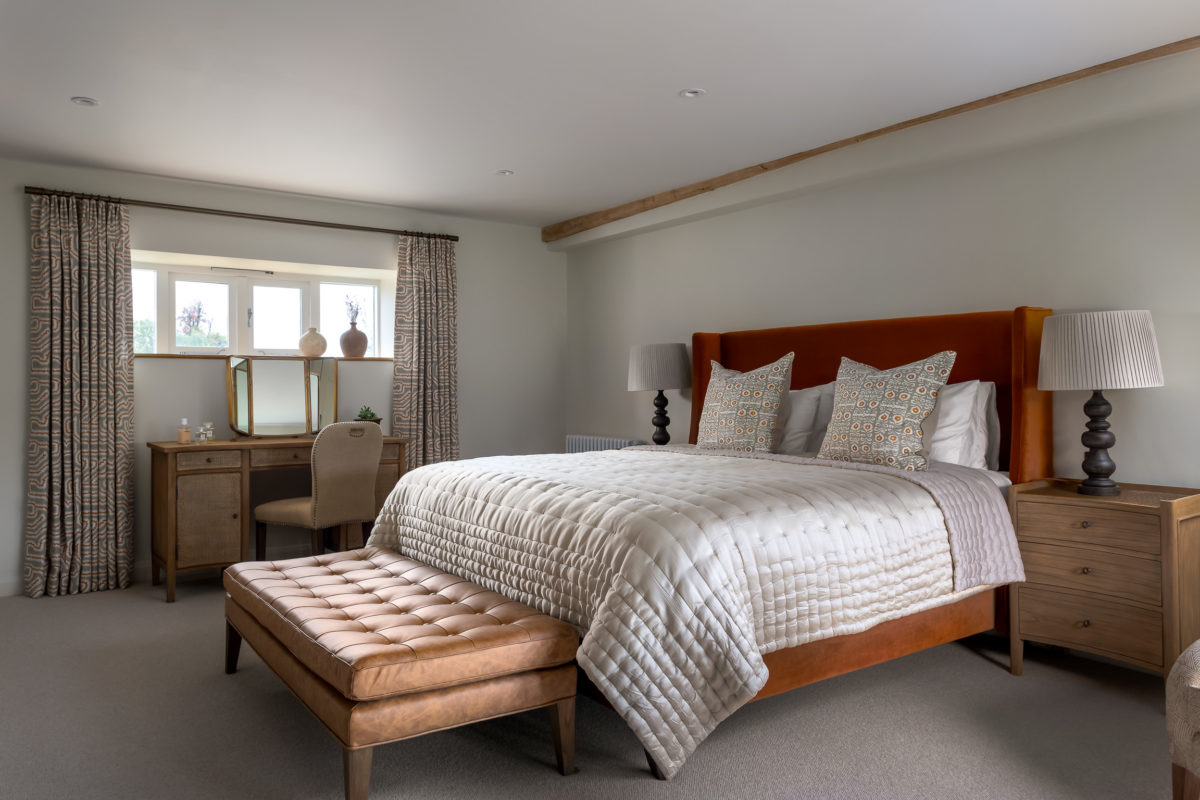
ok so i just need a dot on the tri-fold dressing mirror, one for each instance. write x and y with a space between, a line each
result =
281 396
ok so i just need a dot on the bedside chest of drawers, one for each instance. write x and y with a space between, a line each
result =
1117 576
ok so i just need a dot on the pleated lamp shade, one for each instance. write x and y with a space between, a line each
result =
659 366
1099 350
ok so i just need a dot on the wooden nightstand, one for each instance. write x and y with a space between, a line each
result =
1117 576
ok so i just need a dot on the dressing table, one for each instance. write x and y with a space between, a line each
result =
200 497
200 491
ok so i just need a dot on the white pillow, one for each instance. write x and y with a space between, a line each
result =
964 427
809 413
993 425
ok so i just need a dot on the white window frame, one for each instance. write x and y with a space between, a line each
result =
246 302
241 293
166 315
159 282
373 337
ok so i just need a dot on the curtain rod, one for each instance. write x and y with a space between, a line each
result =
238 214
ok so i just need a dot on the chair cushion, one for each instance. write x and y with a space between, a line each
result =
374 624
295 511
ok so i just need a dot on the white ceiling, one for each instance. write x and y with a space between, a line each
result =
419 102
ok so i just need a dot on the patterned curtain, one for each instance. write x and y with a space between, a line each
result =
425 365
79 512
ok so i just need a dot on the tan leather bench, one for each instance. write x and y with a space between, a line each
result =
382 648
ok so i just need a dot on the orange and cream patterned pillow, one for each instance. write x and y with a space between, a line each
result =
742 409
877 413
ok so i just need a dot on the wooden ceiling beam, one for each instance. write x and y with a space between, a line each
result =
570 227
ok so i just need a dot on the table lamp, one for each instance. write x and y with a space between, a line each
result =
659 367
1099 350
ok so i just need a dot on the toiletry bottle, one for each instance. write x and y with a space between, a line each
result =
183 433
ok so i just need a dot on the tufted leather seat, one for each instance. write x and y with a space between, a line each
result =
381 648
373 624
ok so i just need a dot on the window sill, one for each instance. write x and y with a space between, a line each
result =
214 355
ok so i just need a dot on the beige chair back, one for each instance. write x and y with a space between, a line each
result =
345 463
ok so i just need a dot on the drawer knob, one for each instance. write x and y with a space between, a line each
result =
209 459
235 516
1086 570
1087 623
295 455
1087 524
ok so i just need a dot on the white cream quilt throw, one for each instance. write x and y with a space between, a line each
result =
683 567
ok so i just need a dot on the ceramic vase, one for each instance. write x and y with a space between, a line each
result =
354 342
312 344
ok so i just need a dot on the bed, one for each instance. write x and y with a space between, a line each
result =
681 567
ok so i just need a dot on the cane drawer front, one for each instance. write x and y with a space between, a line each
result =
280 456
1089 525
215 459
1098 571
1087 622
391 452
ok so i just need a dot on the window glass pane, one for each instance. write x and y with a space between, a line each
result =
201 314
278 312
340 302
145 309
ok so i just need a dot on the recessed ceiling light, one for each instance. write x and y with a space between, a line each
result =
80 100
505 172
692 94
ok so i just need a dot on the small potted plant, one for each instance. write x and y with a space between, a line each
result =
365 414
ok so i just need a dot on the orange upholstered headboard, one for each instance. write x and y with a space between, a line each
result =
999 346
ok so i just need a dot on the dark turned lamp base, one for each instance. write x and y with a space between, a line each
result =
1096 462
661 420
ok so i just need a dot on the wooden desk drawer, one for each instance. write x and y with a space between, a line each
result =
1089 525
391 452
213 459
1093 571
280 456
1091 623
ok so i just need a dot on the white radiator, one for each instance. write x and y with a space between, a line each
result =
579 443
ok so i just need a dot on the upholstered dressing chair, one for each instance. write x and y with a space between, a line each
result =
345 461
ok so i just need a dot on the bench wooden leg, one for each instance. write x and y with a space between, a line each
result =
260 541
356 767
1184 784
233 646
562 728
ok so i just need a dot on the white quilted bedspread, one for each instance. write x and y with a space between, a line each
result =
683 567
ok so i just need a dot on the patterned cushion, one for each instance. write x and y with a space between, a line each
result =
742 409
877 414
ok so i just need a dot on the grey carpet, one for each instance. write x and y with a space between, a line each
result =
119 695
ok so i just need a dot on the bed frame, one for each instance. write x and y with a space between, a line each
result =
1000 346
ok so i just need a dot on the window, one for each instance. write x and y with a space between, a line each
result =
339 301
277 316
145 297
201 315
191 309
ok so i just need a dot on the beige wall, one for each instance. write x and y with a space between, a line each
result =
512 318
1108 218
